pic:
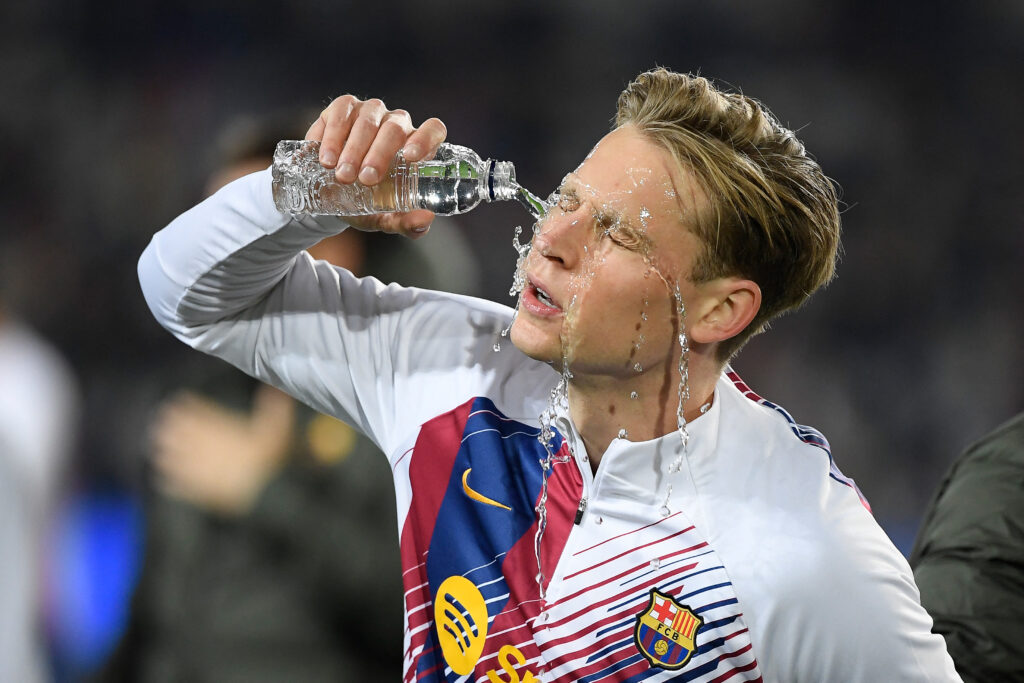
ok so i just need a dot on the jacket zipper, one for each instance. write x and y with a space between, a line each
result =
580 510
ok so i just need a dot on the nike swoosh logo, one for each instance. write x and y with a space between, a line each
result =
479 497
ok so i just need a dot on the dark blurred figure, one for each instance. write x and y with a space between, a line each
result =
266 542
38 410
969 558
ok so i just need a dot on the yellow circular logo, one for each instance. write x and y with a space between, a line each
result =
661 647
329 439
460 617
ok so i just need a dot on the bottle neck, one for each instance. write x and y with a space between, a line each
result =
501 181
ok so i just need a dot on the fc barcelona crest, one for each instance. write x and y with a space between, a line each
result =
665 632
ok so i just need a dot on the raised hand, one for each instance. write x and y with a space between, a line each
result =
360 139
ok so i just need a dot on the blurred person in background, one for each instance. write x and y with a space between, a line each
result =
39 406
969 558
266 542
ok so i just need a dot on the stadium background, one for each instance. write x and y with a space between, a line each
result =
109 112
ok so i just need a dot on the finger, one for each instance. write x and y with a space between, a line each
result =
337 118
316 130
412 224
425 140
415 224
394 130
364 128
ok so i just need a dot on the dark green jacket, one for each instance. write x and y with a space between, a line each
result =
306 588
969 558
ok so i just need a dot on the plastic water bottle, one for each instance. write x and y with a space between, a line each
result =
454 181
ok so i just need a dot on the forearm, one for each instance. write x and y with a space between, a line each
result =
222 257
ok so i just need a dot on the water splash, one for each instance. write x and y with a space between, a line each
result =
522 252
518 279
508 328
684 384
623 434
534 204
558 399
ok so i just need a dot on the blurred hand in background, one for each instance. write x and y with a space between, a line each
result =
217 458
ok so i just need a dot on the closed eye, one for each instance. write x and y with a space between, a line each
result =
625 238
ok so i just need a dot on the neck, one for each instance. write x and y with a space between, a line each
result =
603 406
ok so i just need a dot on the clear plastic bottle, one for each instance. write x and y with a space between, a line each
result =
454 181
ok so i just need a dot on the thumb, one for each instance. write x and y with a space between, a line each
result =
412 224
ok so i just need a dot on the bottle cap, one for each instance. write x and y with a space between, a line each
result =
502 181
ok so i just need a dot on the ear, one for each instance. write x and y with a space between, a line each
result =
724 309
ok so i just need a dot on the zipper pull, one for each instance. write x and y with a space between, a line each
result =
580 510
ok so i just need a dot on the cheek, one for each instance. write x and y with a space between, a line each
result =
622 307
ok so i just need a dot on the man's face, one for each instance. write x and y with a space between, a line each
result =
604 267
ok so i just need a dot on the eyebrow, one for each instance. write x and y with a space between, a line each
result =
603 214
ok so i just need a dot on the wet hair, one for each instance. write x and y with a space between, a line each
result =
773 216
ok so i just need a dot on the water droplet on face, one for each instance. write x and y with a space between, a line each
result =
684 382
644 215
638 367
633 395
623 434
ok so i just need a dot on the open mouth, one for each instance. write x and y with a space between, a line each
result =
539 302
545 298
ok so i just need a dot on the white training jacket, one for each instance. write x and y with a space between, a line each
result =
766 564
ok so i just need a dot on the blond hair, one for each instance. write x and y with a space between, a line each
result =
774 215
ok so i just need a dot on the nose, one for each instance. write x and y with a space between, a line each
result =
562 237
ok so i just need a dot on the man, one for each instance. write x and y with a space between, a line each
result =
969 557
604 499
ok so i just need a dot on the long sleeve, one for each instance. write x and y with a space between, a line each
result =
229 277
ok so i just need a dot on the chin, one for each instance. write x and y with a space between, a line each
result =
535 343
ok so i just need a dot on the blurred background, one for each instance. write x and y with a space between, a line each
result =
108 120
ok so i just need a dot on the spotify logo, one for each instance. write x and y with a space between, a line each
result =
460 616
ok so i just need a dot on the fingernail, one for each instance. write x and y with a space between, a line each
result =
412 151
368 175
421 230
328 157
347 169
